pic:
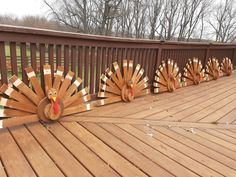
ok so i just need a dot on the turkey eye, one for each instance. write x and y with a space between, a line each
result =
55 93
50 94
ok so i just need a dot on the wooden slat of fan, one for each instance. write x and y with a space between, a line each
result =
163 71
47 77
103 94
187 74
34 81
160 88
187 81
113 77
135 74
65 84
195 64
58 76
140 73
73 88
25 90
160 79
19 120
12 93
170 66
12 113
118 73
83 99
142 84
141 87
109 100
130 70
175 70
107 88
109 83
17 105
190 73
77 109
73 98
178 81
125 69
142 92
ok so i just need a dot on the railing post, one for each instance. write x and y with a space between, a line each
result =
3 69
234 57
207 54
159 52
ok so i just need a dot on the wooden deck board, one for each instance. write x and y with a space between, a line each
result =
191 132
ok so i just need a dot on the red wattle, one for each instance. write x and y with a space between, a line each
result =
132 92
56 107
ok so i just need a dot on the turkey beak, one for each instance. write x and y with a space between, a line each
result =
54 98
131 85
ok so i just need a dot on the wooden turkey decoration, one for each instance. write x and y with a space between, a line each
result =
60 98
193 72
167 77
213 71
226 67
116 87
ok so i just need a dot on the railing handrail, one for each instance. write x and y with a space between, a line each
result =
55 33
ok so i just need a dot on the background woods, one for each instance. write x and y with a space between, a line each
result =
181 20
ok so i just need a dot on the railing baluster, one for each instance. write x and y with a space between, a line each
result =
24 62
51 57
98 67
3 63
92 68
58 55
33 57
13 58
66 58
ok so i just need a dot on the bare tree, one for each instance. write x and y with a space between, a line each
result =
192 12
72 13
223 21
154 10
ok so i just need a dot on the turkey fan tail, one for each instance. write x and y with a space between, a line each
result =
143 84
34 81
109 100
117 87
47 77
167 76
130 70
118 73
77 109
193 72
72 89
113 78
58 76
15 121
212 69
68 101
226 67
65 84
25 90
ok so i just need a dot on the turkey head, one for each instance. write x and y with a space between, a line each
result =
127 92
53 110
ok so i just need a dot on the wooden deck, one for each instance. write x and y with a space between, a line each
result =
191 132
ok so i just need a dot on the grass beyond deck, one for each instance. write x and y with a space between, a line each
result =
191 132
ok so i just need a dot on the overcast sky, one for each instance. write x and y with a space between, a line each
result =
23 7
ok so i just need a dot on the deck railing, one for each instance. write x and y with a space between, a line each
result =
89 55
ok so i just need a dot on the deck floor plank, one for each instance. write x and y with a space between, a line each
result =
36 156
188 133
67 163
143 163
12 158
85 155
